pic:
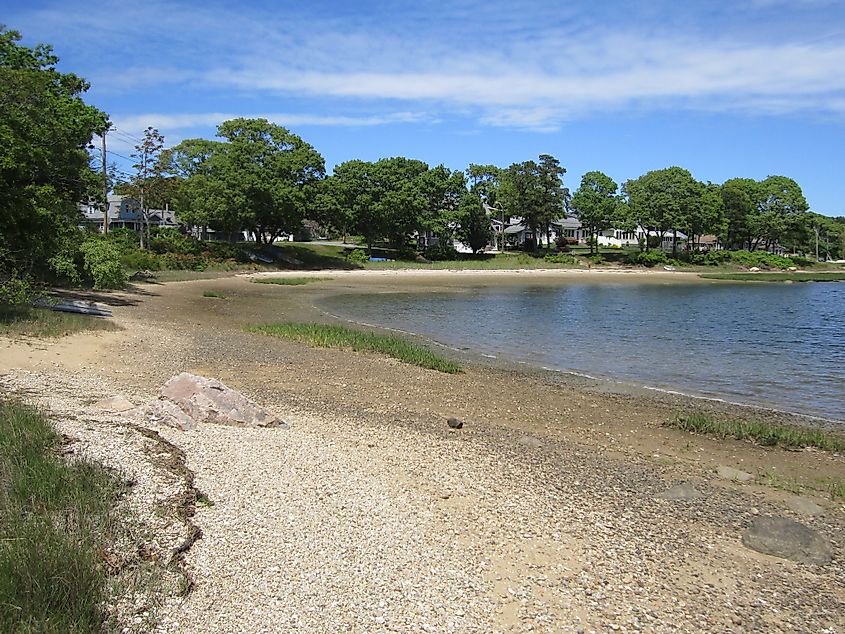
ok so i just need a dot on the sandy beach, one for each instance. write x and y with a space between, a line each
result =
545 513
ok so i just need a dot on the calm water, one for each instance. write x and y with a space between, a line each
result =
772 345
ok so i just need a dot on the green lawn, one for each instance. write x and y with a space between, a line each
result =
821 276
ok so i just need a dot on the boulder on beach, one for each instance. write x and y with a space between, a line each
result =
206 400
788 539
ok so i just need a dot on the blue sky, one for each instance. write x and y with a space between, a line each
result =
737 88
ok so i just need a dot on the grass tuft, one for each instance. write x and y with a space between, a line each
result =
55 521
767 434
215 294
342 337
27 321
289 281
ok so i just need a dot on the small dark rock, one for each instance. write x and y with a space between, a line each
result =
454 423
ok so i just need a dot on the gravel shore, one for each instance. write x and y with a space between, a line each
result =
369 514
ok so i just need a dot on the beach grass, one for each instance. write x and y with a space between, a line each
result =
28 321
214 294
289 281
821 276
768 434
328 336
55 522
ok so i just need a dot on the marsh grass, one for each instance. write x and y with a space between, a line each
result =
27 321
289 281
767 434
214 294
55 520
326 336
830 276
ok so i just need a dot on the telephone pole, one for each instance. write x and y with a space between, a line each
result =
105 186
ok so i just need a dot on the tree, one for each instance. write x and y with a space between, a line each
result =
474 228
442 190
739 199
781 207
554 196
201 197
521 194
45 129
596 204
147 168
267 172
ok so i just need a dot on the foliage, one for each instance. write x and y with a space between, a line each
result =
711 258
101 260
16 290
358 340
649 258
560 258
759 431
761 259
357 256
596 205
55 521
474 228
45 128
441 252
214 294
170 240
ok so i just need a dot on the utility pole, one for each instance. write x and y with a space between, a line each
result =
105 187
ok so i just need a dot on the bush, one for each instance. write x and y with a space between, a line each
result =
16 289
596 258
357 256
139 260
710 258
649 258
101 260
802 262
183 262
441 252
169 240
560 258
761 259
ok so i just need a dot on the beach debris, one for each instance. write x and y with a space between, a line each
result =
804 506
141 276
754 269
669 267
455 423
788 539
735 475
80 306
792 269
210 401
680 492
115 403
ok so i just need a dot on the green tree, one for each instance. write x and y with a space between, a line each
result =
148 171
521 194
781 207
45 130
739 199
442 191
596 204
555 197
267 172
474 229
201 196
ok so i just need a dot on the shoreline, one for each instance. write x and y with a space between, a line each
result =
545 510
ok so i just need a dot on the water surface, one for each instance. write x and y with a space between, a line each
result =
772 345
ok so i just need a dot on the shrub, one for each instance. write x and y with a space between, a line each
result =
649 258
802 262
101 260
169 240
560 258
761 259
441 252
16 289
710 258
357 256
138 260
596 258
183 262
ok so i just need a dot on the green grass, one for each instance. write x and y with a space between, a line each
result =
25 321
55 521
342 337
215 294
289 281
821 276
761 432
836 488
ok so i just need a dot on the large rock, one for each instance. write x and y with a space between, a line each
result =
786 538
115 404
170 414
210 401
